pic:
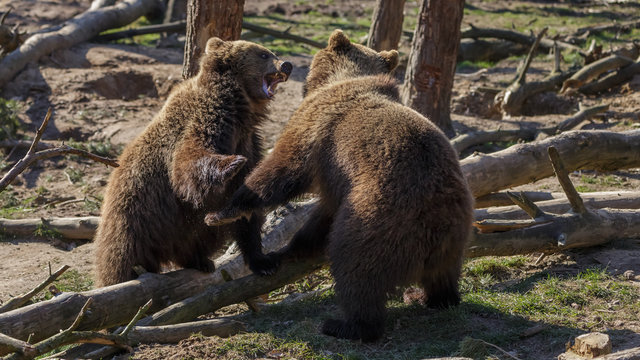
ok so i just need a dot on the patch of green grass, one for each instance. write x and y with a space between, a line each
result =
70 281
561 301
474 65
9 123
313 25
251 346
10 204
584 188
105 149
44 231
145 40
495 266
74 175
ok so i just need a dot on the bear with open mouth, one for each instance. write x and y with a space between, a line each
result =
189 160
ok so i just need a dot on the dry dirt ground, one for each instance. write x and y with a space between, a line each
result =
107 93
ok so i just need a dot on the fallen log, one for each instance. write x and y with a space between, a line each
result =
484 50
525 163
609 81
79 228
46 318
169 334
216 297
473 138
593 70
511 100
581 227
475 32
76 30
615 27
615 199
560 205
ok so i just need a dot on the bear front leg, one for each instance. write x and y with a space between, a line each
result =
247 233
196 171
279 178
311 239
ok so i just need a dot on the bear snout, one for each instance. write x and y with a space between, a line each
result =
286 67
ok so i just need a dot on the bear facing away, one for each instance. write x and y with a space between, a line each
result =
189 160
394 206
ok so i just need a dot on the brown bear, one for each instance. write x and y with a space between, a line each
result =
189 160
394 206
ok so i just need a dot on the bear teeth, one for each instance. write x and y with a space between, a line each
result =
269 87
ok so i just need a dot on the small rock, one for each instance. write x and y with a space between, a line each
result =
629 274
98 181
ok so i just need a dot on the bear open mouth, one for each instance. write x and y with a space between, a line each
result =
270 83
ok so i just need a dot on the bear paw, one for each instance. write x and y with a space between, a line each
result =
223 217
348 330
264 265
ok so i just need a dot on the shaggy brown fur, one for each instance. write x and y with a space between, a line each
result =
188 161
394 206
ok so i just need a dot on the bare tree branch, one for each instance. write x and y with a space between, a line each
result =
33 156
19 301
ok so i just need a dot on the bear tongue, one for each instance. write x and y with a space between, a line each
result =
269 88
265 88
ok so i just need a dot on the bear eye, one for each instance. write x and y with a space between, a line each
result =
264 56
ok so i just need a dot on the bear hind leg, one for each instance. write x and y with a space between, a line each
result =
361 281
440 280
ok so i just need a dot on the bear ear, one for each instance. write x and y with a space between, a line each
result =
338 40
213 44
391 58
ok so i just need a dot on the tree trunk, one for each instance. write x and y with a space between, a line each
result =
386 25
432 63
207 18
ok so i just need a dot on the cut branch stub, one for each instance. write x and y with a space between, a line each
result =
522 74
577 205
527 205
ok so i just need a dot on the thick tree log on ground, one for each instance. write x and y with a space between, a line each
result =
525 163
234 292
581 227
78 29
80 228
46 318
